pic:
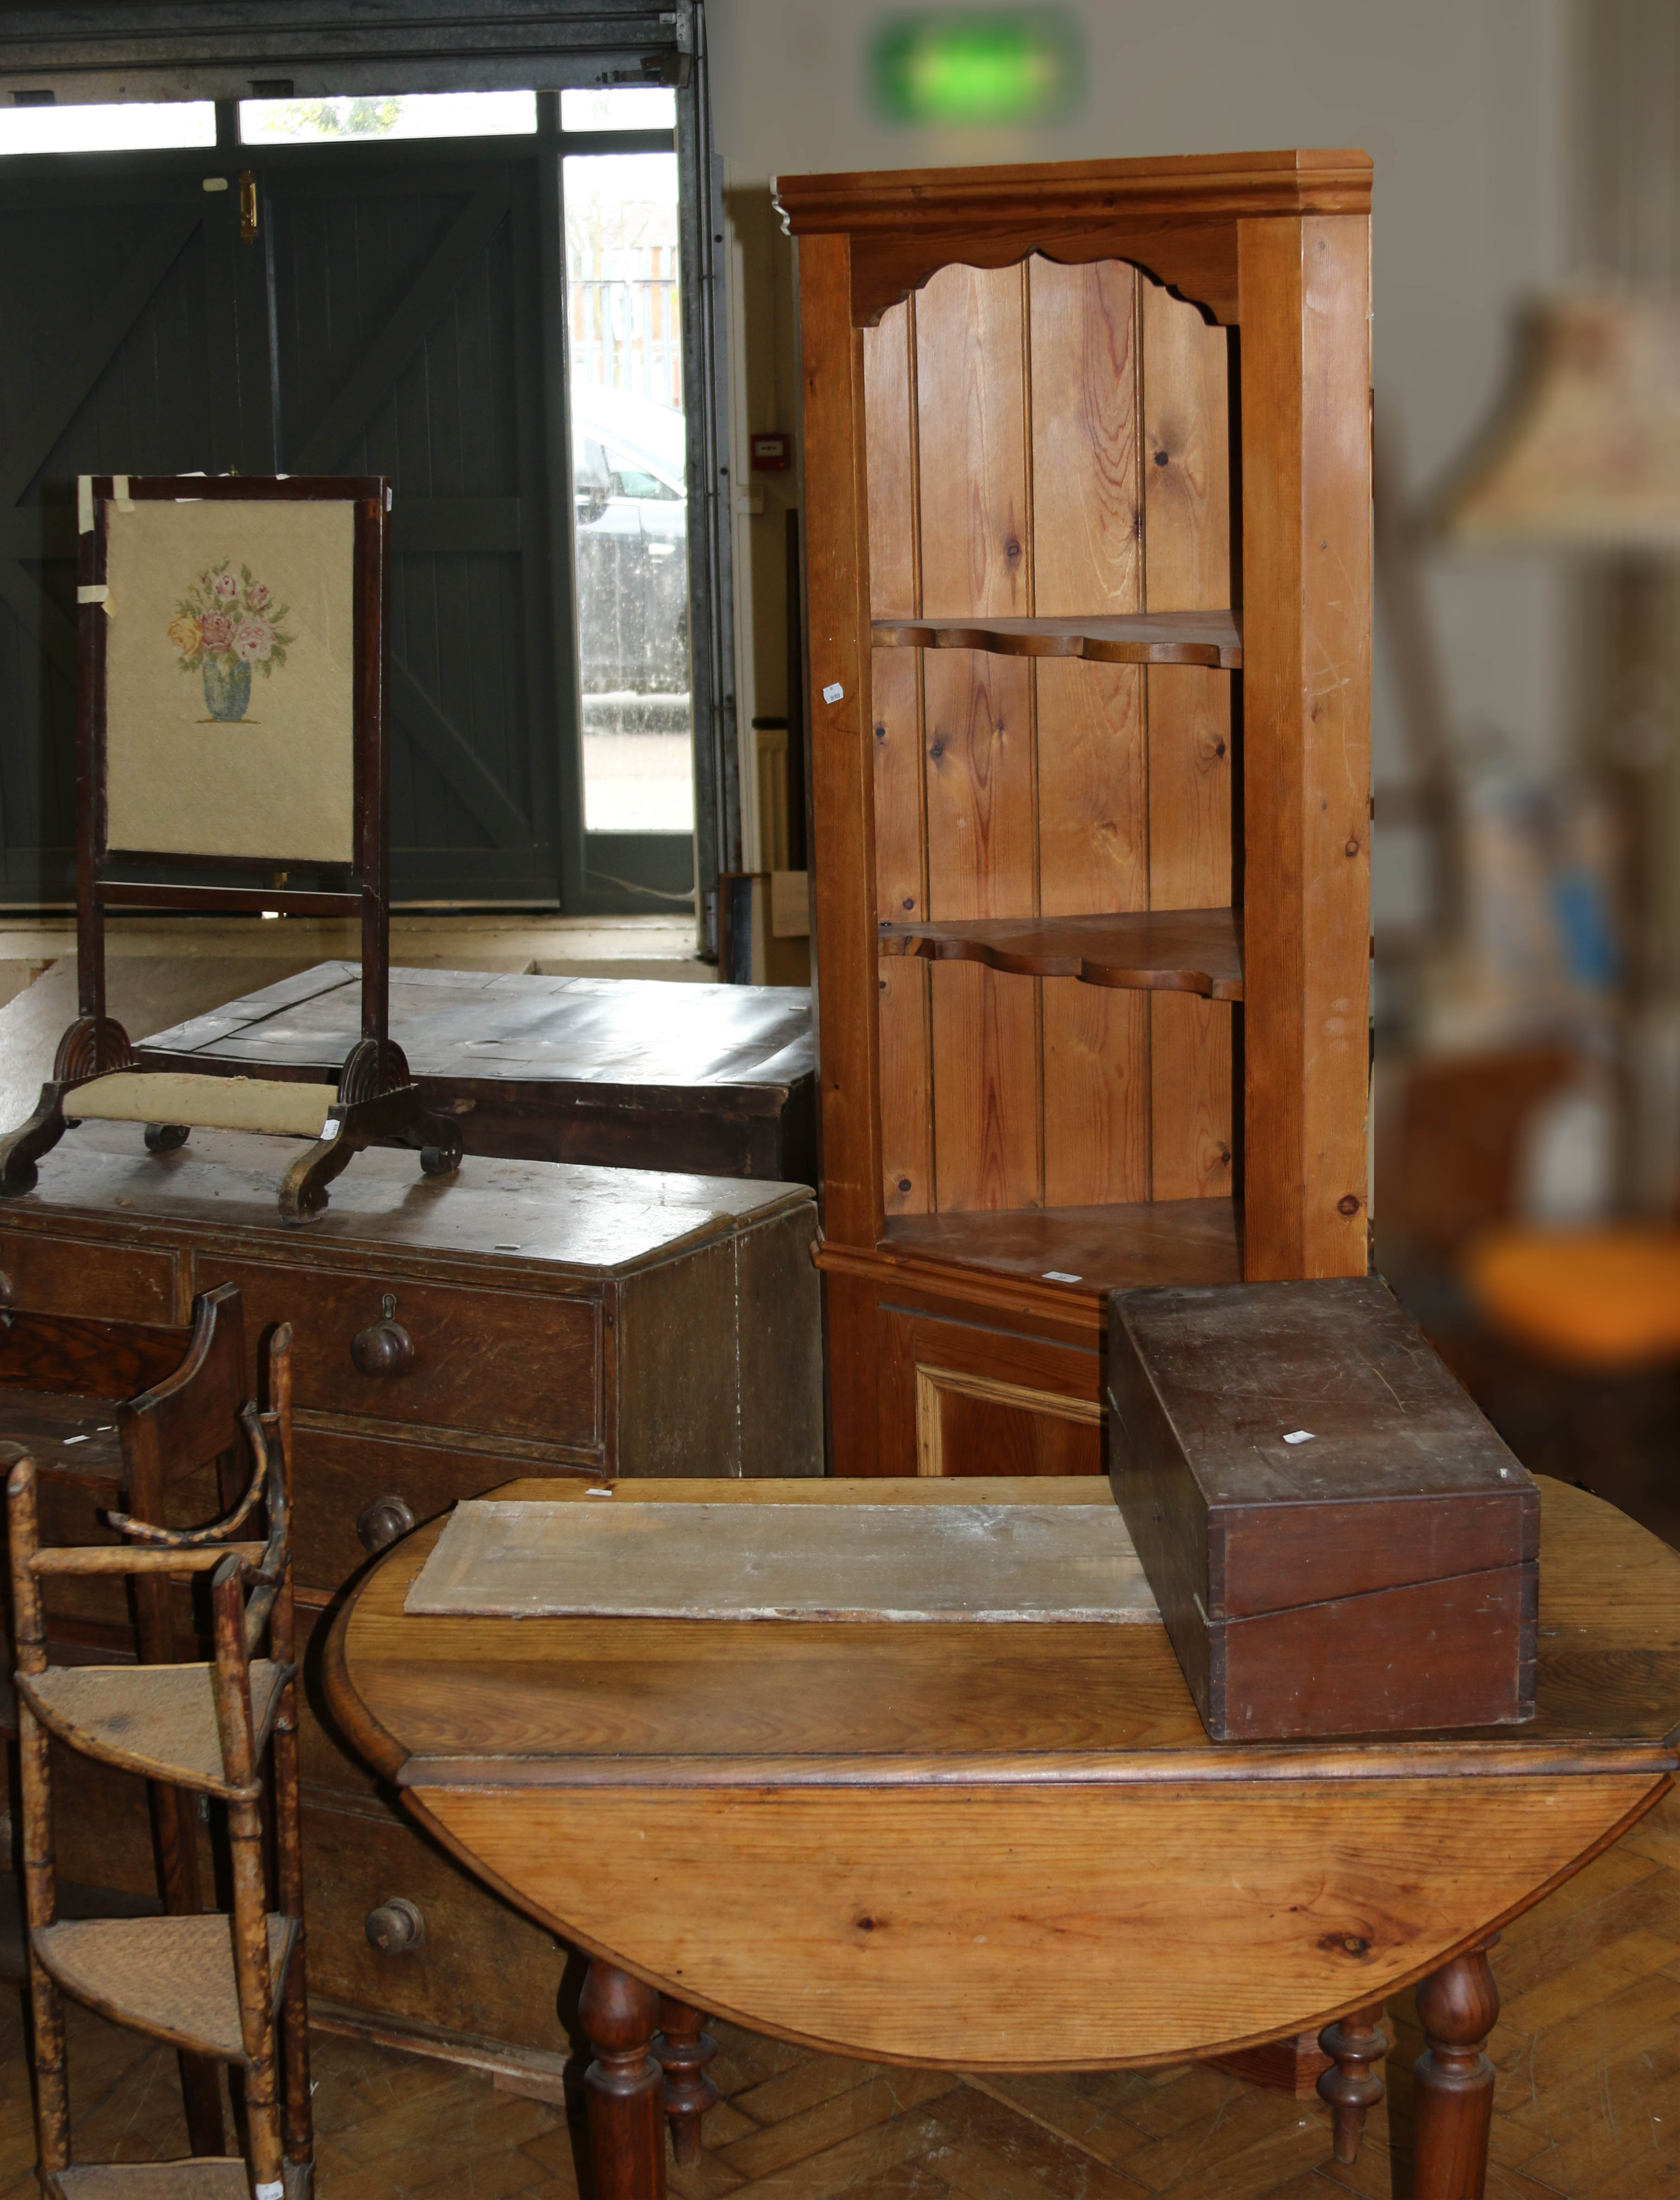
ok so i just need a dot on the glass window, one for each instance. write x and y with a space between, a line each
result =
128 128
406 114
630 491
650 108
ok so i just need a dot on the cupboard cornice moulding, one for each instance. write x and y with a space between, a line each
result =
1175 218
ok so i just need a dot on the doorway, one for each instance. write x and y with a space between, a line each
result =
479 295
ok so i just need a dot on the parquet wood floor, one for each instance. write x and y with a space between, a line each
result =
1587 2106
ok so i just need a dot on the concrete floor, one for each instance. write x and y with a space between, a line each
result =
161 970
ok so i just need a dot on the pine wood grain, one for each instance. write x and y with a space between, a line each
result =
1587 2106
1093 833
890 1951
1187 537
837 593
1306 561
978 721
900 826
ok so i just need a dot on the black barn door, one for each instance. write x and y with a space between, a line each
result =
386 317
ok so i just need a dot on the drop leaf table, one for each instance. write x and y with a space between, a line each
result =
999 1845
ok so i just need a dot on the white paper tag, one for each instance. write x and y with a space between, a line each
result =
330 1128
95 593
84 504
1299 1436
215 182
1060 1276
275 2190
834 692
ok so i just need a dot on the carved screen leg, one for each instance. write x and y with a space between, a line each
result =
624 2086
1458 2007
20 1149
683 2049
1350 2085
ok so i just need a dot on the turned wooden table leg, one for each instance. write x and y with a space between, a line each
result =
1458 2007
624 2086
1350 2086
683 2049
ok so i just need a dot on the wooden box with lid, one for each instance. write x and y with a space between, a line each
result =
520 1318
1338 1541
1086 455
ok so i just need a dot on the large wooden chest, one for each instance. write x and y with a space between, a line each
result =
1338 1541
633 1072
560 1320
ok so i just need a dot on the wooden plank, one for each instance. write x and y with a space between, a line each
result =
837 596
906 1069
1203 638
971 411
977 1563
1093 822
1306 570
986 1124
442 745
1148 950
402 330
1187 539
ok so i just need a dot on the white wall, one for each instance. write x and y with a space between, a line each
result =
1463 104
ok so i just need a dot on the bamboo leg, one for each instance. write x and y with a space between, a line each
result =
1458 2007
1350 2085
682 2048
298 2124
624 2086
40 1892
175 1828
250 1892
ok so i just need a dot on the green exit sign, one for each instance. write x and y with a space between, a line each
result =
1018 65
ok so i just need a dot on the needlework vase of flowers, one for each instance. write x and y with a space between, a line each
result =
226 627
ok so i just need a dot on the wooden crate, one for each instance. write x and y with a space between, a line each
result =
1338 1541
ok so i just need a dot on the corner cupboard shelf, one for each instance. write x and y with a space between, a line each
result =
1213 639
1192 951
1091 875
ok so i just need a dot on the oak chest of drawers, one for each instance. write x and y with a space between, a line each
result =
522 1318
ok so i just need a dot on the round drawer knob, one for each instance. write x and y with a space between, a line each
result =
384 1521
386 1348
395 1928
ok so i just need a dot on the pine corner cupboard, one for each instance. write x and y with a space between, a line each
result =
1087 494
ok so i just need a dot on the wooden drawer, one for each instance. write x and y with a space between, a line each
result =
76 1276
481 1967
497 1363
338 1477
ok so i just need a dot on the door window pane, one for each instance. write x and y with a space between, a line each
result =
631 513
650 108
128 128
408 114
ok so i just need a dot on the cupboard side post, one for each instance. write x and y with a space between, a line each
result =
1306 502
841 764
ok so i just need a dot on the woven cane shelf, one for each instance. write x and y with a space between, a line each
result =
171 1977
157 1720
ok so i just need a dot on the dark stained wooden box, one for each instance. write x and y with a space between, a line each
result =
1379 1575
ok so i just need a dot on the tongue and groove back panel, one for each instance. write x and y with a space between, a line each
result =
1047 440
